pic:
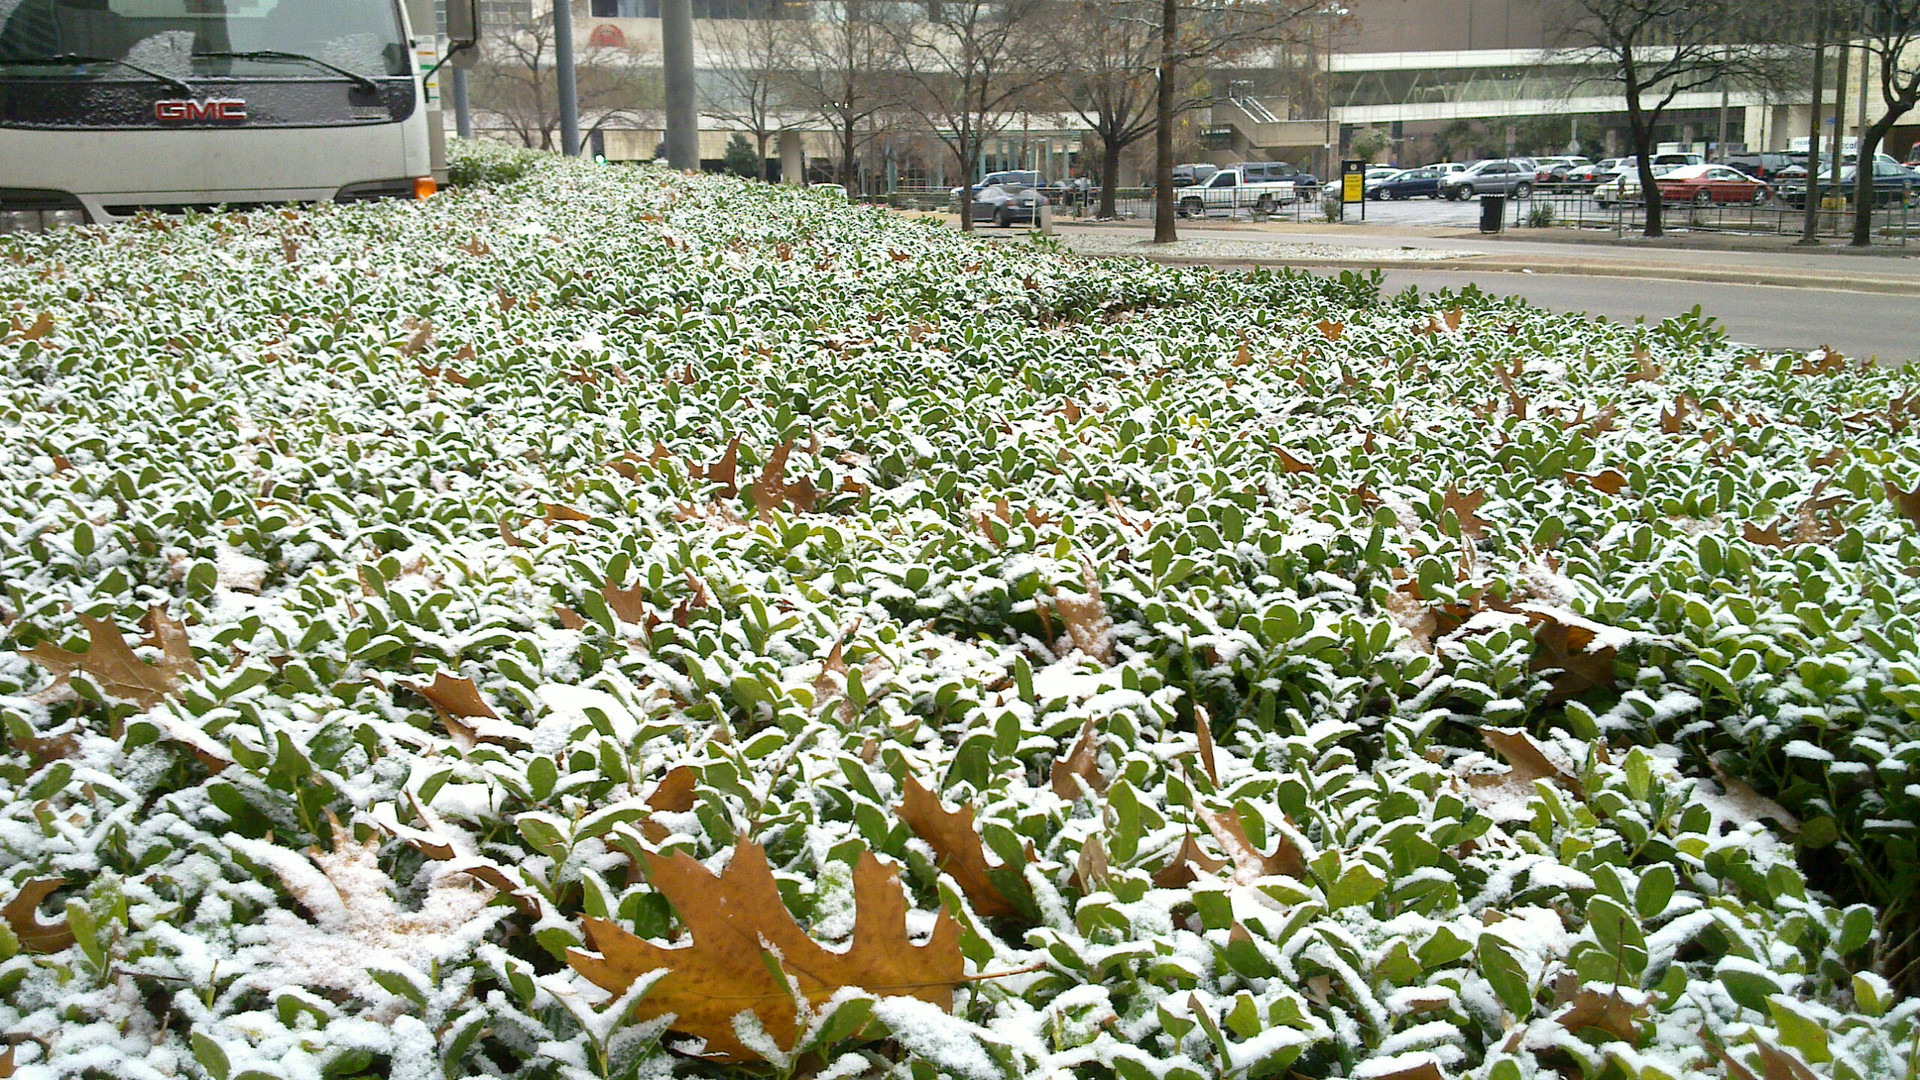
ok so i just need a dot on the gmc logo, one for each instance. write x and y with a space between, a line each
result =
178 111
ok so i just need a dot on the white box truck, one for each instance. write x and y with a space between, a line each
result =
113 107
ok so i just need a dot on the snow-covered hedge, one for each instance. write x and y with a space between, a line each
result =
745 512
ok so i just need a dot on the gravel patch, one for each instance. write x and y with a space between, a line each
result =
1107 244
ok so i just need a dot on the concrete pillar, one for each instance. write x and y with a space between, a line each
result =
793 159
683 114
563 70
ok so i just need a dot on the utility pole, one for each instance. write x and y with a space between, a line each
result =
563 69
1810 226
683 116
462 114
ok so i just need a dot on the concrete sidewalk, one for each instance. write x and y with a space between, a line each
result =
1833 268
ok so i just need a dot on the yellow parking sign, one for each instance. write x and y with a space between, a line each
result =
1353 182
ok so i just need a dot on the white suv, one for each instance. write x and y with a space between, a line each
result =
1238 187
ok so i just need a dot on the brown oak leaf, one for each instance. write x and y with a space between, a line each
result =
956 845
1249 864
773 489
674 794
115 668
725 472
1080 766
741 933
1187 864
1463 506
1528 760
1606 1011
22 915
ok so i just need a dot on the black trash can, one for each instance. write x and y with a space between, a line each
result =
1493 213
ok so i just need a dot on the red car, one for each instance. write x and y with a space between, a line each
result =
1704 185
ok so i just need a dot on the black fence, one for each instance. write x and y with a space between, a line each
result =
1129 204
1896 221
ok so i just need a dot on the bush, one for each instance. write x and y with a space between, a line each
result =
477 162
1541 215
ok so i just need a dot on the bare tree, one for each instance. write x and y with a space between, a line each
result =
843 76
515 81
1103 54
963 64
1194 31
1891 48
752 63
1657 50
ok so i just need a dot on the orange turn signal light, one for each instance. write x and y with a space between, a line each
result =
424 187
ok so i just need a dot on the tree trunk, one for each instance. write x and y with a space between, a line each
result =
760 147
847 155
1863 193
1164 231
1109 179
1642 135
963 149
1810 223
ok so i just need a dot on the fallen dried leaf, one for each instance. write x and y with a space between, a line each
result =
1188 862
741 933
674 794
1749 802
1249 865
1528 760
115 668
1463 507
22 915
1080 766
772 489
956 846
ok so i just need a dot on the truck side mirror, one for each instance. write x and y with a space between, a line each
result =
463 33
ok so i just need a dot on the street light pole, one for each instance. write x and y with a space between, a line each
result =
563 68
683 117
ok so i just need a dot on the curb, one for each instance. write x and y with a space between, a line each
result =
1498 264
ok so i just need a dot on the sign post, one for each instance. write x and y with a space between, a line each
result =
1353 185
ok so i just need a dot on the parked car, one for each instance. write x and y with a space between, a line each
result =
1446 167
1624 186
1408 184
1761 166
1238 187
1893 185
1495 176
1587 176
1704 185
1193 173
1377 175
1552 171
1022 177
1007 204
1305 184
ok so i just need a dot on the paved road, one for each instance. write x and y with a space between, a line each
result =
1857 324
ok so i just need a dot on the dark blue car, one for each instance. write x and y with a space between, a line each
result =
1408 184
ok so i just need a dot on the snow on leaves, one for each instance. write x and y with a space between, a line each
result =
1164 608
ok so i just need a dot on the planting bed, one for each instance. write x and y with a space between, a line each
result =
1069 668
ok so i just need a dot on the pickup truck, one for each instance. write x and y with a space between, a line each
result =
1238 187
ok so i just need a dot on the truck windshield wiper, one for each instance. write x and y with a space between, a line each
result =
355 77
75 59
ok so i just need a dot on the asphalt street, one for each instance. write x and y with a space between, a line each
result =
1766 316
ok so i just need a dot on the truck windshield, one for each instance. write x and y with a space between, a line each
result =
185 39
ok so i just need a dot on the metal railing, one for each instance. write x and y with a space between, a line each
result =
1129 204
1895 221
